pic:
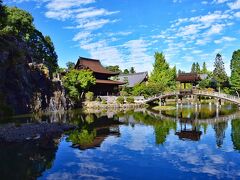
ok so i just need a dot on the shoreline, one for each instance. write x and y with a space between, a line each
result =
32 132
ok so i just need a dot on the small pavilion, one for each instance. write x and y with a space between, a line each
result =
104 86
188 78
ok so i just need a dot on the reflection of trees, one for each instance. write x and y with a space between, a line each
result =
82 137
26 161
92 130
220 129
161 127
236 133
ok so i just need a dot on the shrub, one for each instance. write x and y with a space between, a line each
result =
120 100
130 99
98 99
104 101
89 96
123 93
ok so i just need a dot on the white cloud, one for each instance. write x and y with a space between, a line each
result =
224 39
237 14
234 5
220 1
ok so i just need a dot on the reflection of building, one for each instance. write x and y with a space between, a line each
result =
133 79
192 134
103 86
104 127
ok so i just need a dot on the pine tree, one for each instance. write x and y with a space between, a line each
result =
162 74
235 71
219 73
132 70
198 70
193 69
204 68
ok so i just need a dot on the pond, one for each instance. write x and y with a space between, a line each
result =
186 143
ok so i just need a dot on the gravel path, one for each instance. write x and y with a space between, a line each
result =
30 132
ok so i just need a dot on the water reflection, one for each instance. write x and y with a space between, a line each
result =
134 144
27 161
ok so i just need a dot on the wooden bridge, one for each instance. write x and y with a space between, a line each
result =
217 95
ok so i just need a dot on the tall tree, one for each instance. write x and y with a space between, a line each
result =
126 71
193 69
132 70
204 68
235 71
162 74
219 73
198 69
70 65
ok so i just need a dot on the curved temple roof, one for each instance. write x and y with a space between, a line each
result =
188 77
94 65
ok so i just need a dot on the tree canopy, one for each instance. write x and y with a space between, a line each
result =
70 65
19 24
114 68
219 73
235 71
132 70
162 74
77 82
204 68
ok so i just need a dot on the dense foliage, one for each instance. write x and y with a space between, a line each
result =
235 71
114 68
18 23
162 75
77 82
219 73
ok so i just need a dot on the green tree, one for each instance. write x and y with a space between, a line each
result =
193 69
126 71
235 71
77 82
219 73
204 68
2 15
132 70
198 69
70 65
43 50
162 74
18 23
114 68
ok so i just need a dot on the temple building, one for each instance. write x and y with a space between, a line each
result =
104 86
133 79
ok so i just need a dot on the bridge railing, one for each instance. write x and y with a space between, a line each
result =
217 94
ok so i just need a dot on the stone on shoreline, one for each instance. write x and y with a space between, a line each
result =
32 132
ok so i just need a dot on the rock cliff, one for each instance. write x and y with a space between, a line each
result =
25 83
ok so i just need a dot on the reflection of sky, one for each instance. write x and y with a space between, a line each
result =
134 155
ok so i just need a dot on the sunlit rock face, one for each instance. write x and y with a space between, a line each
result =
25 83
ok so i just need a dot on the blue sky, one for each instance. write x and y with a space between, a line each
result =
128 32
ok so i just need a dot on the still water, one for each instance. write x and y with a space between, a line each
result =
187 143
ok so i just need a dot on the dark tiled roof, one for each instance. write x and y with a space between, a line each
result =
94 65
188 77
101 81
133 79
